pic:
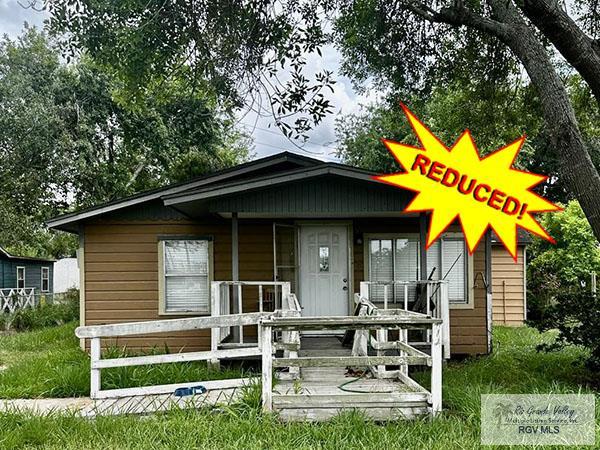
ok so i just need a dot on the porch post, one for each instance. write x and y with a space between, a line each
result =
422 243
235 271
488 287
235 264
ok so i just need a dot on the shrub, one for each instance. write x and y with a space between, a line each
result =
46 315
576 315
566 265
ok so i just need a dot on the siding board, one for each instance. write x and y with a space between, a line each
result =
508 290
121 266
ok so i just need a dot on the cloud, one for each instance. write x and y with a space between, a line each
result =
13 16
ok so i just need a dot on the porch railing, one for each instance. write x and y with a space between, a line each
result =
429 296
96 332
12 300
228 297
396 320
289 342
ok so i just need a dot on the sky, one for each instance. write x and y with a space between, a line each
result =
267 137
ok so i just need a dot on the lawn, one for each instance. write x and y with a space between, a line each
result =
514 367
49 363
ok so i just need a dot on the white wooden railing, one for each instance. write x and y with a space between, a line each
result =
435 303
228 297
12 300
220 323
96 332
384 321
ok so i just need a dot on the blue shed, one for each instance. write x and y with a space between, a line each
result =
26 272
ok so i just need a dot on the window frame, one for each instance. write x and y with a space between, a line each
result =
162 300
24 277
469 272
47 269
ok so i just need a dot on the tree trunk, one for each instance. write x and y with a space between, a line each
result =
569 39
575 162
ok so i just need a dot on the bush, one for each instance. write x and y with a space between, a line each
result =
576 315
62 310
564 266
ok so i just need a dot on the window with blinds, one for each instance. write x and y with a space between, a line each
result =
398 259
186 269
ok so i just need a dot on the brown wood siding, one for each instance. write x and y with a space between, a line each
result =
508 287
121 275
467 326
121 282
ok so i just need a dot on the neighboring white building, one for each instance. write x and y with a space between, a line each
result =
66 275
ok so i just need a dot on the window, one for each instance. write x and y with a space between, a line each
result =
45 279
397 258
323 259
20 277
185 283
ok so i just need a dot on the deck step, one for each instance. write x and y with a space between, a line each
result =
375 414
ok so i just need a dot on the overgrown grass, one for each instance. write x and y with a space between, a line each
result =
44 315
49 363
514 367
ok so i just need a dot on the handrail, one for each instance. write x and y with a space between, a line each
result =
348 322
96 332
436 304
382 321
167 325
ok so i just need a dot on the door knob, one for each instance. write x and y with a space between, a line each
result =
345 280
345 288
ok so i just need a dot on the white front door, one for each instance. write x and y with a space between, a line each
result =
324 281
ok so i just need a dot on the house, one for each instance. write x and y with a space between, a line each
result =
324 227
23 272
509 287
66 275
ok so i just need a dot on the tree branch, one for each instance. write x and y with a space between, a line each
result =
457 15
581 51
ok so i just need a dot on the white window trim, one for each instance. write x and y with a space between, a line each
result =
42 279
470 287
162 303
24 276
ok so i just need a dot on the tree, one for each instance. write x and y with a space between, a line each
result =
565 266
66 142
230 46
494 113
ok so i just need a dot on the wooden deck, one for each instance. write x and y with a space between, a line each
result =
316 377
324 392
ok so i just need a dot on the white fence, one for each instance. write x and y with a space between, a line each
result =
219 323
12 300
97 332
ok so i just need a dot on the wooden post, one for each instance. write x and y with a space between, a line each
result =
406 296
444 306
267 368
95 355
285 293
422 245
215 333
385 296
364 290
240 311
436 369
